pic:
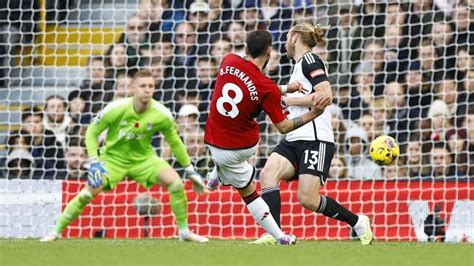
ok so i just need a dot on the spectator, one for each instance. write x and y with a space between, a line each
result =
419 95
236 35
463 63
160 17
367 122
186 50
79 117
206 75
413 160
175 74
446 90
424 12
468 86
76 158
56 118
398 123
393 171
206 31
382 113
137 39
303 13
339 127
349 100
364 80
427 56
164 87
115 60
220 48
374 54
397 52
194 142
338 168
359 166
441 161
220 10
273 68
439 115
443 40
280 18
457 144
20 164
250 16
123 86
187 123
372 18
345 42
468 124
95 90
463 18
46 150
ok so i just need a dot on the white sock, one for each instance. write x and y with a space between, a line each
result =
359 227
261 213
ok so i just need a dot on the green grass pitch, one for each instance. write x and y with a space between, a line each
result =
89 252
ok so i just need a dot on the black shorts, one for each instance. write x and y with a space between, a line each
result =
308 157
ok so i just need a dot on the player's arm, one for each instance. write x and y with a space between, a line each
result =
276 114
313 69
322 92
96 170
169 130
292 87
99 124
288 125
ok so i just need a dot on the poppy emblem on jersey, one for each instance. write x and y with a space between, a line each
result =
149 126
316 73
136 125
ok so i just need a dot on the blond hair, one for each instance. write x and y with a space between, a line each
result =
311 35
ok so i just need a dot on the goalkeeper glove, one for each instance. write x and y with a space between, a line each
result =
198 184
94 176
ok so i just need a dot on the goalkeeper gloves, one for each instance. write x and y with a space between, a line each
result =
198 184
94 176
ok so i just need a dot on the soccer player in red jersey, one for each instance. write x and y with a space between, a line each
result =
241 92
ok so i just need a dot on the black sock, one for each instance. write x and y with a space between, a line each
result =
333 209
271 196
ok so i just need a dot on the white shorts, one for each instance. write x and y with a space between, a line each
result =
232 167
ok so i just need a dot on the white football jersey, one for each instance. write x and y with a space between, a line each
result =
309 71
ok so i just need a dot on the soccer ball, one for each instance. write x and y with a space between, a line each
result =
384 150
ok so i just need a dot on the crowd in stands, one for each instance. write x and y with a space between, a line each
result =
402 68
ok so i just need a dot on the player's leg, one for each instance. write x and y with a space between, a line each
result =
276 168
234 170
157 171
261 213
310 198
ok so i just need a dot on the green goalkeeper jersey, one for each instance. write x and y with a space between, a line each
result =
129 134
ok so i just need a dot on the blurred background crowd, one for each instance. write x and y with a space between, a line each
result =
402 68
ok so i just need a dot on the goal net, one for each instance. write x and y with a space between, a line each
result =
398 68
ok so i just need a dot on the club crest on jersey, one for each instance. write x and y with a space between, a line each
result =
149 126
123 123
316 73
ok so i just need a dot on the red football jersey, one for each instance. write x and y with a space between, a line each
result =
241 92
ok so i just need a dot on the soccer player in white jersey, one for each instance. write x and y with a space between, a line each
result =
306 153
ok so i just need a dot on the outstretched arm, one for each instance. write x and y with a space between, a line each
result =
98 125
323 94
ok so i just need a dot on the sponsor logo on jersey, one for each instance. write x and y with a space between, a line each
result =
316 73
149 126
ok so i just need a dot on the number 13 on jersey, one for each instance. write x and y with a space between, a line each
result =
226 99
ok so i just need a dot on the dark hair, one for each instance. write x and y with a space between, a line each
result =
96 58
206 59
55 97
31 111
14 135
258 42
76 142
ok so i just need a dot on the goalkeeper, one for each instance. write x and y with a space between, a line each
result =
131 124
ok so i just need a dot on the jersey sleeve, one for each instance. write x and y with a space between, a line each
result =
169 131
102 121
313 69
272 105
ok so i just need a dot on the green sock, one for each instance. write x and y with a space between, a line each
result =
73 209
179 204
